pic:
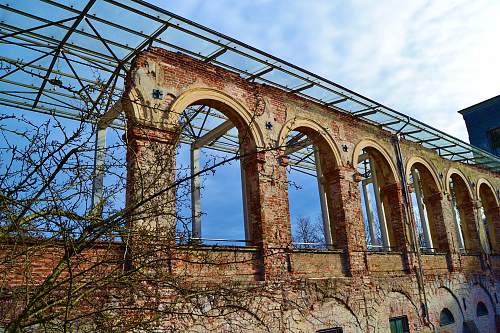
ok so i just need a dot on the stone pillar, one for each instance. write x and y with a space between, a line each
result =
347 227
150 199
268 212
469 226
440 223
493 216
394 211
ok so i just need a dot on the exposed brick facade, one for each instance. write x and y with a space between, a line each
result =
386 282
347 286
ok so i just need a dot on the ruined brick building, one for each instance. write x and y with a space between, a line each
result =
410 215
447 283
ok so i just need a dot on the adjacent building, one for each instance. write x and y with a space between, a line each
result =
483 124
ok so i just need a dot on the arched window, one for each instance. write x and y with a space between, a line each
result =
446 317
204 213
377 193
481 309
310 162
489 214
463 213
427 209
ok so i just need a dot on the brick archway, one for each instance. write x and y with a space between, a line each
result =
491 218
427 193
238 114
464 214
389 208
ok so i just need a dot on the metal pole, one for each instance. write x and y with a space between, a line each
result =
99 158
195 193
322 199
380 208
424 221
369 213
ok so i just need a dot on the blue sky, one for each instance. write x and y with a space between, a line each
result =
427 59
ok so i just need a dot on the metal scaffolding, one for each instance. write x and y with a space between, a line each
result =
85 43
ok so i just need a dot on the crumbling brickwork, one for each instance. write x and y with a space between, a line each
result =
360 290
347 286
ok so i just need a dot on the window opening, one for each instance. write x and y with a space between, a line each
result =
446 317
309 216
399 325
420 212
457 217
481 309
377 237
209 214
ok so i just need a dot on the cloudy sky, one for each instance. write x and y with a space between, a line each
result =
427 59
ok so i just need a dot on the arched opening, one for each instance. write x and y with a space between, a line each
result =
427 209
446 317
463 213
216 153
380 199
489 214
311 166
481 310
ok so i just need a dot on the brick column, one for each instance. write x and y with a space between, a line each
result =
347 227
268 213
151 173
469 226
394 211
493 216
444 231
453 257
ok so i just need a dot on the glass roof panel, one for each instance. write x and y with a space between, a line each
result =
236 60
74 4
283 79
351 106
115 14
42 10
127 24
322 94
194 44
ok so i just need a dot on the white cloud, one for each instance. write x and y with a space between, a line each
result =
427 59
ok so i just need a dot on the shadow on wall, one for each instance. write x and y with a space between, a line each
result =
472 313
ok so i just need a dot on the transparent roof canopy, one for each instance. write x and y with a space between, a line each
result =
93 42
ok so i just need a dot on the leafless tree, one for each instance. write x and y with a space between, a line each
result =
308 233
72 266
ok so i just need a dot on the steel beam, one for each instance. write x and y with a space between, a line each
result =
304 87
216 54
213 135
99 169
195 193
337 101
380 207
59 48
299 145
260 73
